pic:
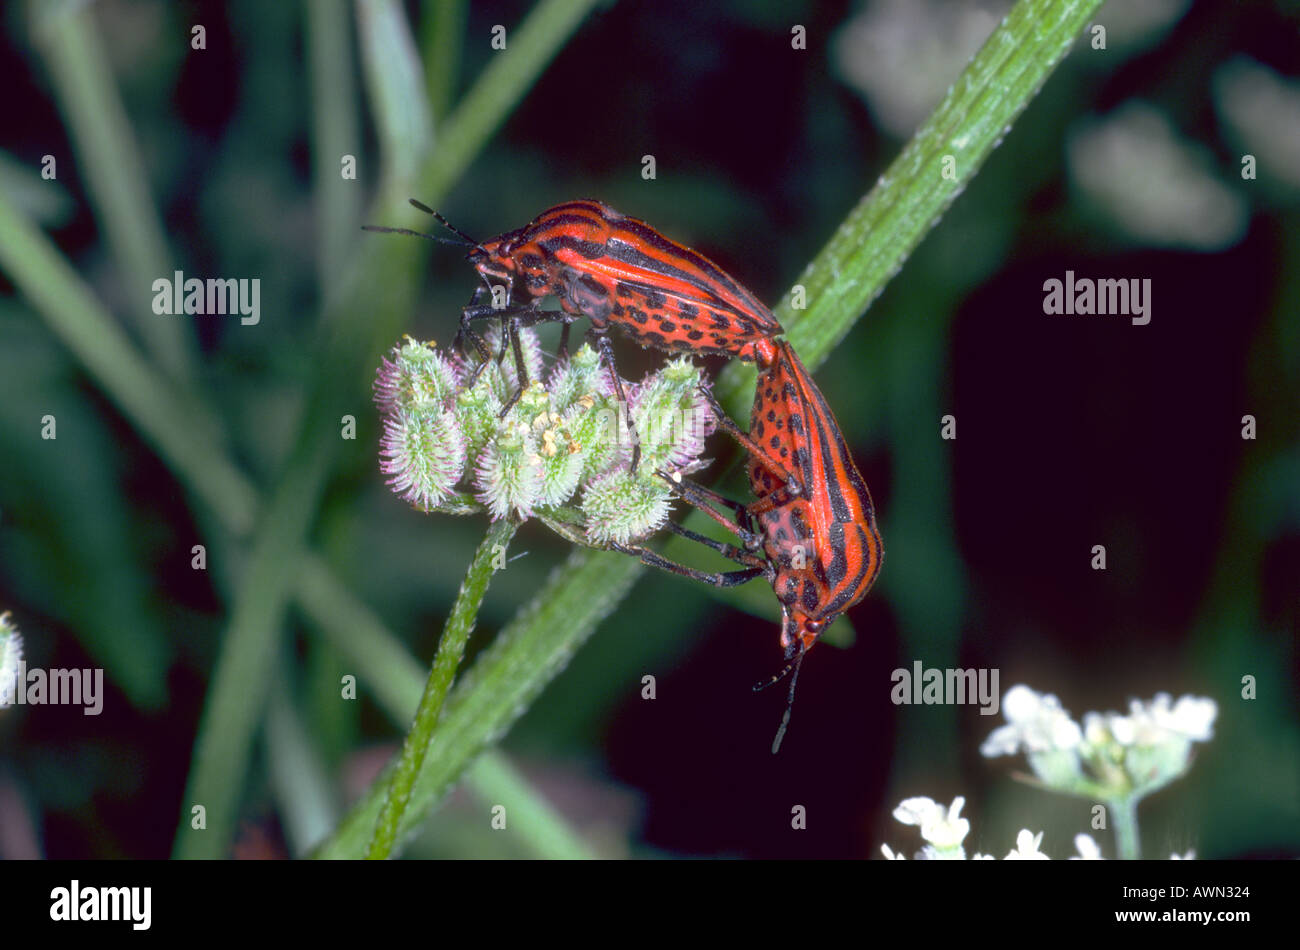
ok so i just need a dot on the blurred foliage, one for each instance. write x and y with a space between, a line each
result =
1073 431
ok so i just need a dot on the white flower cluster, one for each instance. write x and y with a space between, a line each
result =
1111 756
944 831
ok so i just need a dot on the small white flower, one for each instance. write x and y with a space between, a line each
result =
1191 716
979 856
672 420
1123 728
1087 848
1027 847
915 811
11 654
1262 108
1155 723
945 829
506 379
579 375
1189 856
414 376
1036 722
891 856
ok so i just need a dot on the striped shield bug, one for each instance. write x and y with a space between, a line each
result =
618 270
614 270
811 530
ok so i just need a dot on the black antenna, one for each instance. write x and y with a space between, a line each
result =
792 666
465 239
378 229
421 206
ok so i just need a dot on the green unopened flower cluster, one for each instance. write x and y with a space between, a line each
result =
565 437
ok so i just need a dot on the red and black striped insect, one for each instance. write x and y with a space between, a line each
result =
811 530
618 270
614 270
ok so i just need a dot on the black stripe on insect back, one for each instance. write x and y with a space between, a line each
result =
823 423
839 508
695 259
590 206
547 233
814 395
625 253
553 222
588 249
856 587
839 565
593 285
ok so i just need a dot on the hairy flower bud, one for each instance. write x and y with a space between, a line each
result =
505 375
509 472
620 507
672 419
424 452
415 374
579 375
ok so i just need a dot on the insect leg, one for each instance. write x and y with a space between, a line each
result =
708 502
467 332
510 329
756 451
563 351
729 551
602 343
723 579
510 317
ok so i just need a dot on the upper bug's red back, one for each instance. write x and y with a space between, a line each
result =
615 269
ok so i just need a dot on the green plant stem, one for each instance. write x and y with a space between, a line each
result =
529 48
880 233
305 792
395 85
394 678
494 781
1123 812
526 655
335 133
442 37
451 648
70 41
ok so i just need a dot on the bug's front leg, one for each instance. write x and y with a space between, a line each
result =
599 338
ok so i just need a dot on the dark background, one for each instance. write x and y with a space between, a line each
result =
1072 431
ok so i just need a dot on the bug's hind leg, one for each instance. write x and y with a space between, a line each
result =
722 579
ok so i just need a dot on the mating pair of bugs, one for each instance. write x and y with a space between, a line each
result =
811 529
